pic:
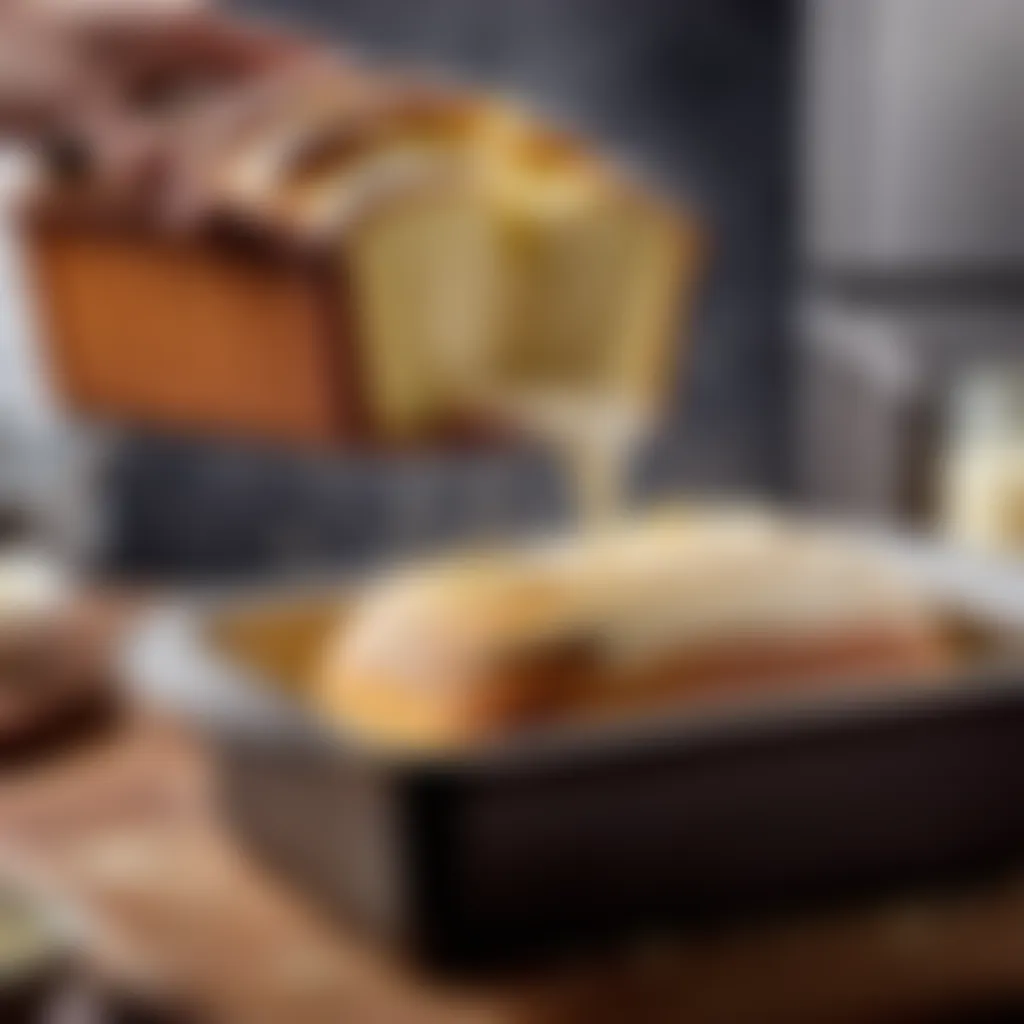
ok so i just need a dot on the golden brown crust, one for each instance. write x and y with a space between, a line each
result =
476 666
563 689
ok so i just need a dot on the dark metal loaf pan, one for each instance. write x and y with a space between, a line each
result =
568 836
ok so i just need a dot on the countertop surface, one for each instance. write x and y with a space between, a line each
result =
125 828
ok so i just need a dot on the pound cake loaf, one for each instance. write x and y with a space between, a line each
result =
679 609
481 253
409 258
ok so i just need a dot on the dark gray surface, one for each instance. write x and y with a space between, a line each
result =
696 92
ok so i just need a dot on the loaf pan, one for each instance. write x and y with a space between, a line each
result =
568 836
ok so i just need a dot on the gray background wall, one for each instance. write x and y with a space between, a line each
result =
696 92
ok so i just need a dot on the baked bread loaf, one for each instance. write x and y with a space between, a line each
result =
450 252
677 609
519 259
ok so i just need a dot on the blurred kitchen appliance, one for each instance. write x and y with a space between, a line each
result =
913 248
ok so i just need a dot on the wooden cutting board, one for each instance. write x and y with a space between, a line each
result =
126 828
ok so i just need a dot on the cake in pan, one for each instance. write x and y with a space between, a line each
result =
642 615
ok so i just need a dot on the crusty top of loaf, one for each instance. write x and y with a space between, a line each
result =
676 583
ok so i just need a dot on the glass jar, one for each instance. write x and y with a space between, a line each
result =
983 473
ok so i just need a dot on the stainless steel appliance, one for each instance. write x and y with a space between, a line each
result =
913 239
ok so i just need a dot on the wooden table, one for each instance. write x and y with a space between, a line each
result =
125 826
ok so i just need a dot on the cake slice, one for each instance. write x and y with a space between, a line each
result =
494 270
599 269
478 257
425 278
